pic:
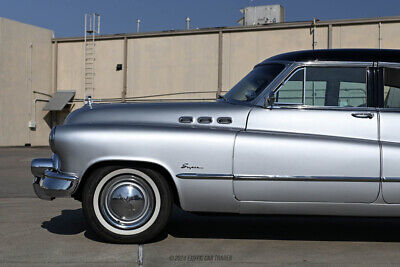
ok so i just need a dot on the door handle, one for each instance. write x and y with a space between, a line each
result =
363 115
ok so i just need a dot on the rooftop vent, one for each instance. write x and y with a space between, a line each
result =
260 15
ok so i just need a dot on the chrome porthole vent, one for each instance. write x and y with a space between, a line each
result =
127 202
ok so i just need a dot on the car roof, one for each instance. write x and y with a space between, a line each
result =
360 55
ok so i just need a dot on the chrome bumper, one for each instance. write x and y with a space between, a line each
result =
48 182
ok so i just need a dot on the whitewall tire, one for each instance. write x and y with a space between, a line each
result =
126 205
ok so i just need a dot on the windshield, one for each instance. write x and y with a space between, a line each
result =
254 82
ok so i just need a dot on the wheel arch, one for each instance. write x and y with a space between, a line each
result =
132 164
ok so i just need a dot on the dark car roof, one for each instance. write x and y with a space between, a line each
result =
366 55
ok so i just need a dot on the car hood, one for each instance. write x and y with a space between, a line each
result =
161 114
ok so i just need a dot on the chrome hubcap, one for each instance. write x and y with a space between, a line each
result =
127 201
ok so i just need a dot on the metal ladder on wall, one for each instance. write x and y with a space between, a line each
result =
92 27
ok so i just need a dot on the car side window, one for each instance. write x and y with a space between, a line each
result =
336 86
391 88
291 92
315 93
325 86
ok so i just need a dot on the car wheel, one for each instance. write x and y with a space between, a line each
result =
126 205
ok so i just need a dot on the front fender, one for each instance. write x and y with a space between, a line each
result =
177 149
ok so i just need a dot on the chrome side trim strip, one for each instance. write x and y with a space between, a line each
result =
281 178
204 176
391 179
306 178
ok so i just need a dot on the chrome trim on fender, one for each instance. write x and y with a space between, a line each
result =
204 176
305 178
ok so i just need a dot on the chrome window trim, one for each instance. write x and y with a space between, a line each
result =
389 64
388 110
391 179
286 80
392 65
289 66
256 101
304 84
283 104
305 178
339 63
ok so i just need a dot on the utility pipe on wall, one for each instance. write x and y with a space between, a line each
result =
219 86
32 122
330 36
125 71
379 34
55 66
314 34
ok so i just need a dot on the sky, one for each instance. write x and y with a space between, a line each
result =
66 17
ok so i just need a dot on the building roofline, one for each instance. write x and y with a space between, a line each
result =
26 24
275 26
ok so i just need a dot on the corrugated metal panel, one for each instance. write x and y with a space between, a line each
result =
59 100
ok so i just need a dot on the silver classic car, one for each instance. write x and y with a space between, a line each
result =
309 132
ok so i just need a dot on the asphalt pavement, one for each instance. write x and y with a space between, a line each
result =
35 232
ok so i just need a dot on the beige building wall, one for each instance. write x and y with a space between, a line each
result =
390 35
360 36
158 64
174 64
243 50
25 66
108 81
168 64
70 67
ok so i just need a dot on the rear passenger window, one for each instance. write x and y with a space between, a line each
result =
392 88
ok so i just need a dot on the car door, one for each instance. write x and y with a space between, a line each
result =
318 143
389 84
